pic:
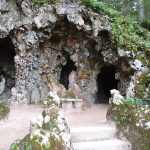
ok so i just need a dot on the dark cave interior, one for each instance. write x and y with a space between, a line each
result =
106 81
66 70
7 64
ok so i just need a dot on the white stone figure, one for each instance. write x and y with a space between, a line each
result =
2 85
115 98
72 79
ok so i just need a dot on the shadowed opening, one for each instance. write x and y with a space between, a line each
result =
66 70
106 81
7 68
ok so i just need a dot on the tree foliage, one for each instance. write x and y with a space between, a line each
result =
125 31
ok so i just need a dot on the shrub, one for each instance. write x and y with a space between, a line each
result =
4 110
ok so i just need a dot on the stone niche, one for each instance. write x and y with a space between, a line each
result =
7 68
65 72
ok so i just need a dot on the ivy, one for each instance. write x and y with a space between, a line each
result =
125 31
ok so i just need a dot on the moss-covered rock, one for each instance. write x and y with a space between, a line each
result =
70 94
133 122
49 131
54 85
142 89
4 110
32 144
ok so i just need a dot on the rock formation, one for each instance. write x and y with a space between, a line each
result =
132 120
48 37
50 130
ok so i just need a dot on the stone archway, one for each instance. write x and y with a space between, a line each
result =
7 68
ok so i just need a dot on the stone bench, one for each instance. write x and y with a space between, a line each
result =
69 103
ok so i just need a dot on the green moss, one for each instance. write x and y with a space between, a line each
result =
51 79
137 135
27 142
70 94
146 24
143 58
56 145
4 110
142 89
126 32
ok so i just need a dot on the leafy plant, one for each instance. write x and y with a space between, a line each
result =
47 146
146 24
15 144
125 31
123 118
132 102
142 88
1 109
4 110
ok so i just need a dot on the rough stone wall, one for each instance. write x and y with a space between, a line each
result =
46 36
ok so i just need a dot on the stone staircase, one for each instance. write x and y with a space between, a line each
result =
97 138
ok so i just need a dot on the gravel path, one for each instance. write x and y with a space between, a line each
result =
17 125
96 116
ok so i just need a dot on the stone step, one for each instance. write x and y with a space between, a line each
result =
113 144
69 103
82 134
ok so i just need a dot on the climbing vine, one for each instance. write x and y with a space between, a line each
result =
126 32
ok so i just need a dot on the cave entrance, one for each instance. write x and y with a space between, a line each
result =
7 68
106 81
66 70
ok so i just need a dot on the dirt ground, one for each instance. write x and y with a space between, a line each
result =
17 125
96 116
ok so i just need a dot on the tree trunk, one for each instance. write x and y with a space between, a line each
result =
141 10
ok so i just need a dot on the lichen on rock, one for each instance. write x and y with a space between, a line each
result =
132 121
143 86
50 130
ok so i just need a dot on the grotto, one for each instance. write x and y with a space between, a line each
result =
68 53
61 42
